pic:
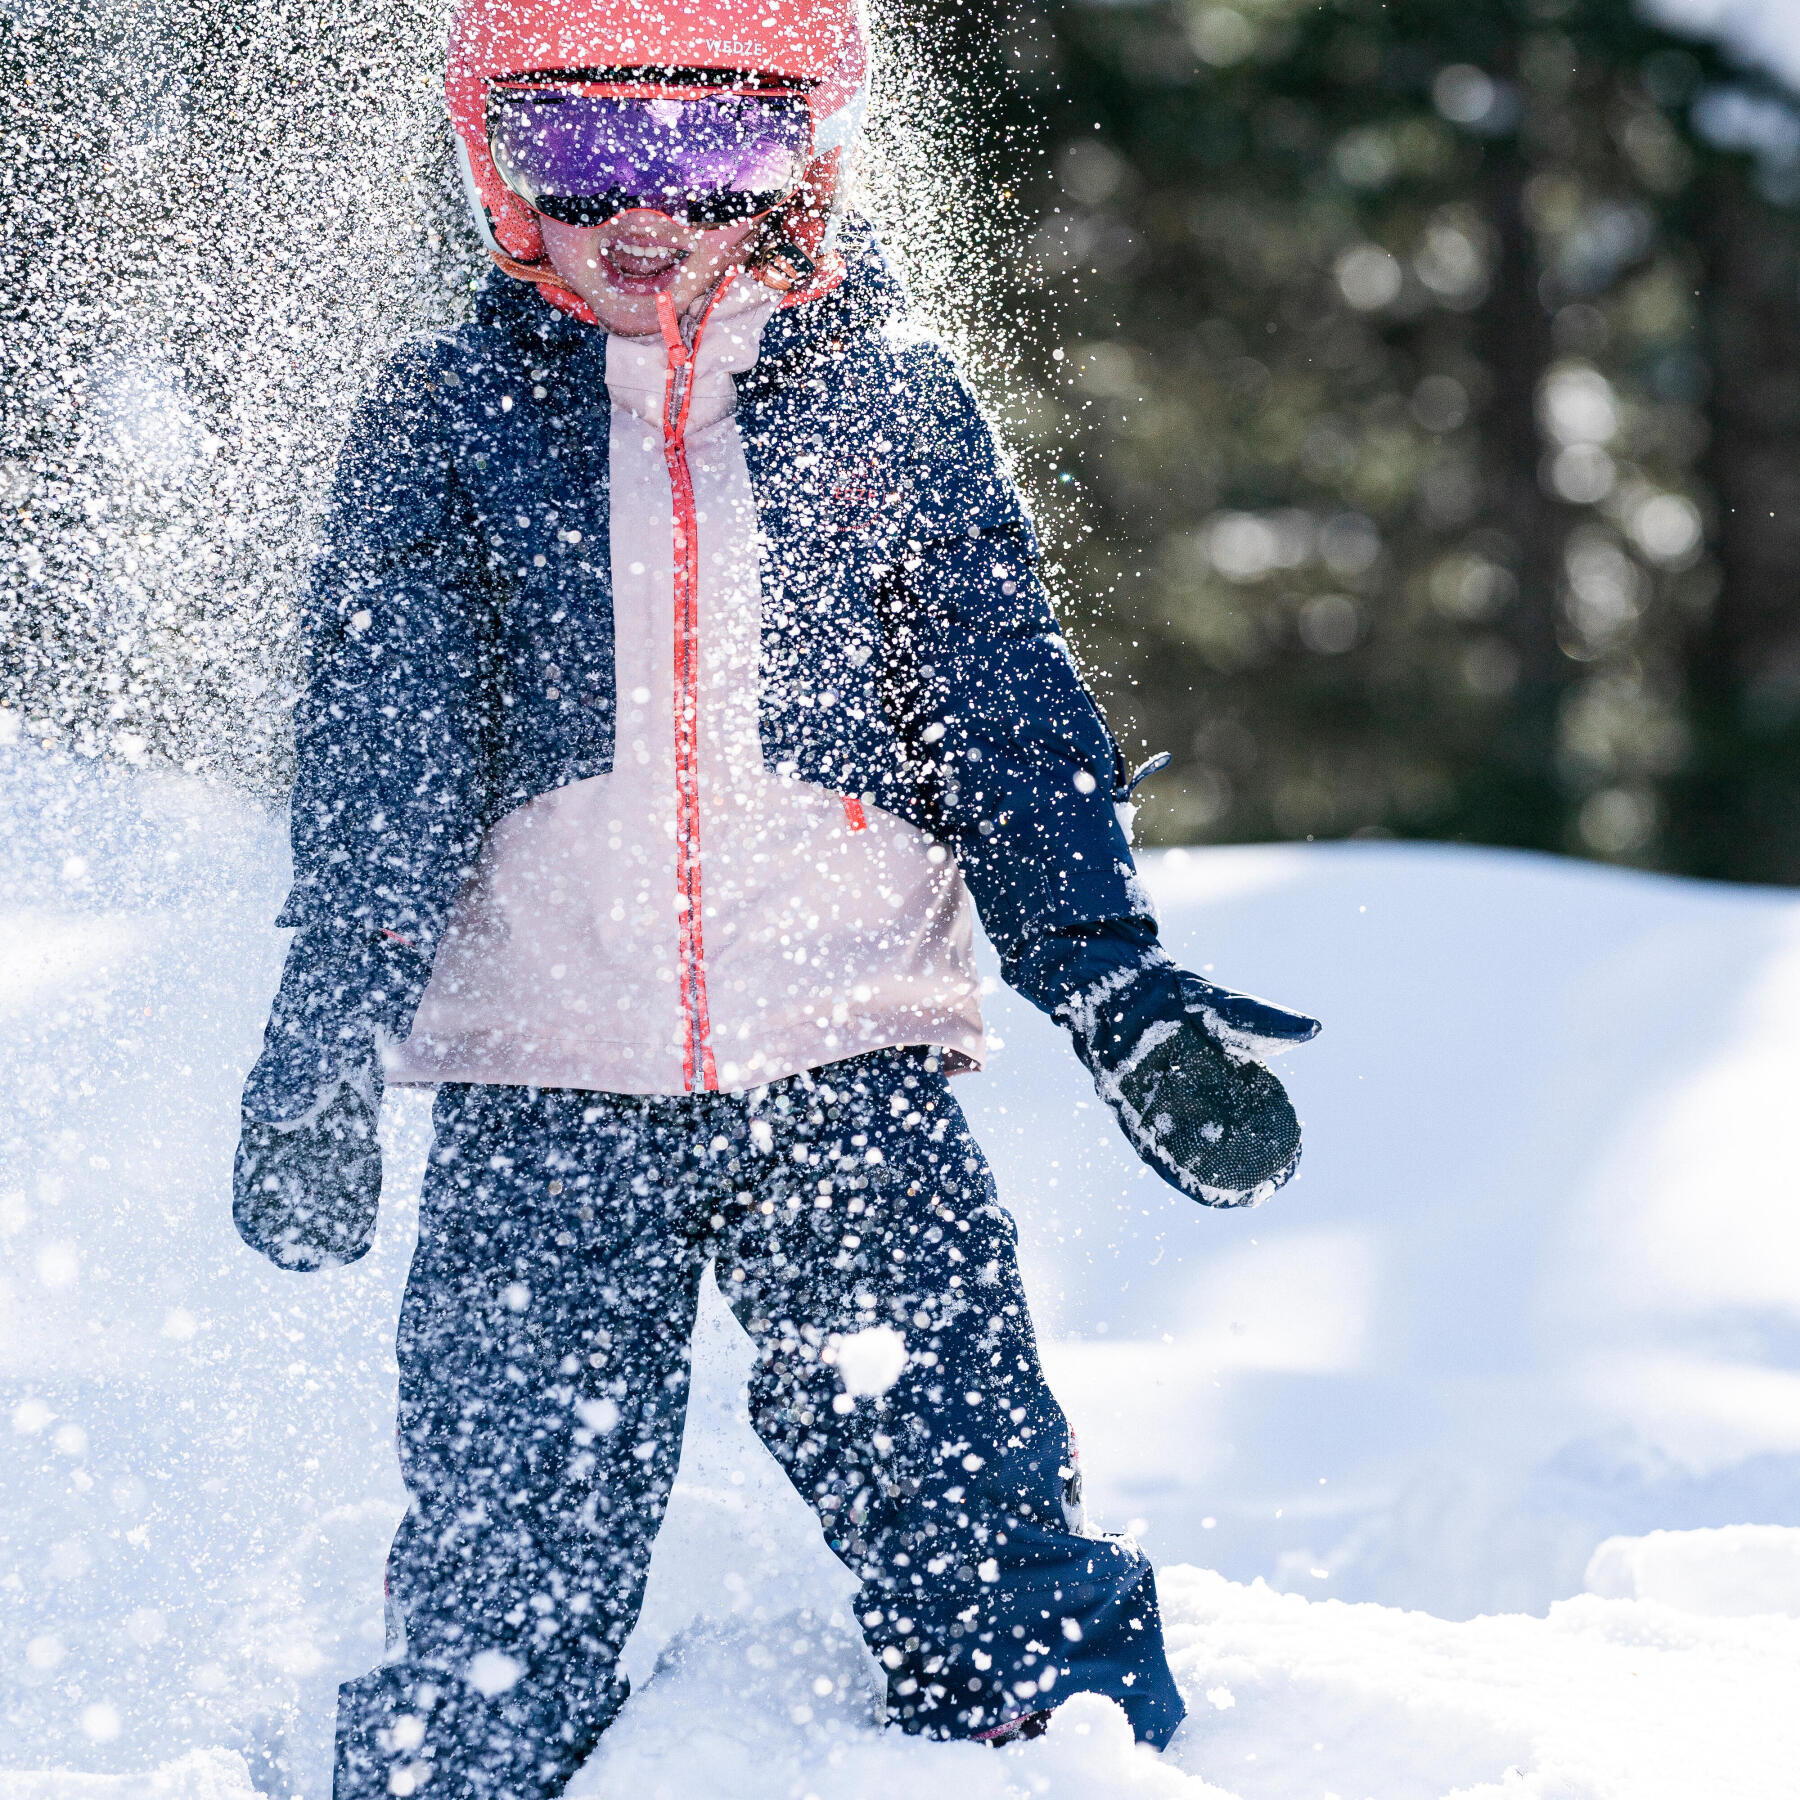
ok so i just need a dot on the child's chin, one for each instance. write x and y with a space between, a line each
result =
623 312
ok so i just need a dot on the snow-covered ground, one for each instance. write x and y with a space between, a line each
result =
1758 31
1525 1326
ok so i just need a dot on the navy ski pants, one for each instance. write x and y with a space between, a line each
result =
543 1350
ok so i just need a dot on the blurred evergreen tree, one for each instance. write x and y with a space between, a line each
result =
1435 455
1438 446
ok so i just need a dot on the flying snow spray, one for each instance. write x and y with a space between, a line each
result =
218 223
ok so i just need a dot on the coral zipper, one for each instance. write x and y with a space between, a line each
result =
678 393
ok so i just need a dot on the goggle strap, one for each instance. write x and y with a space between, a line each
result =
504 90
655 78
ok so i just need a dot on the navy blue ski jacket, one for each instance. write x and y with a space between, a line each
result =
459 628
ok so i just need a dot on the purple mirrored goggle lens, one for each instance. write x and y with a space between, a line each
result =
582 159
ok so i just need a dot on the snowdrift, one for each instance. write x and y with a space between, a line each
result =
1523 1327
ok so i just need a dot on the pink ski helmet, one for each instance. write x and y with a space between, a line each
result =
789 57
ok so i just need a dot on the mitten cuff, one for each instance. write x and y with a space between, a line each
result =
1116 1020
1058 968
336 995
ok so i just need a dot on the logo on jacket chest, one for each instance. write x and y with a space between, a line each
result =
855 496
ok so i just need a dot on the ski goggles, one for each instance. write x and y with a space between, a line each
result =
584 153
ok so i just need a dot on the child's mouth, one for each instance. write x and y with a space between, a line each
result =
640 266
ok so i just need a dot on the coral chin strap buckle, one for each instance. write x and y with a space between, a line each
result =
780 263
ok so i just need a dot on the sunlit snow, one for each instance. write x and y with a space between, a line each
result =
1518 1331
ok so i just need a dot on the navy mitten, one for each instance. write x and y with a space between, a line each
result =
306 1184
1177 1059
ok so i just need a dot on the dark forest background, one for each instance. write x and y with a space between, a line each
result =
1410 388
1437 423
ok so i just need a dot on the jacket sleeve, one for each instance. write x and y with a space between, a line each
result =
392 730
1020 768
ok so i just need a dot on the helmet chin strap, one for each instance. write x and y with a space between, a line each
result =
773 257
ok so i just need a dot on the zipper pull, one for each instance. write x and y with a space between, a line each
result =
671 332
1154 766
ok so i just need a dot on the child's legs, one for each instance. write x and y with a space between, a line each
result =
952 1494
543 1350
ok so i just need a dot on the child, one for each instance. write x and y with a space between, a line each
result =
678 672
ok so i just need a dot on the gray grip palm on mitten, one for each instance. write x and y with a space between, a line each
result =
1179 1061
